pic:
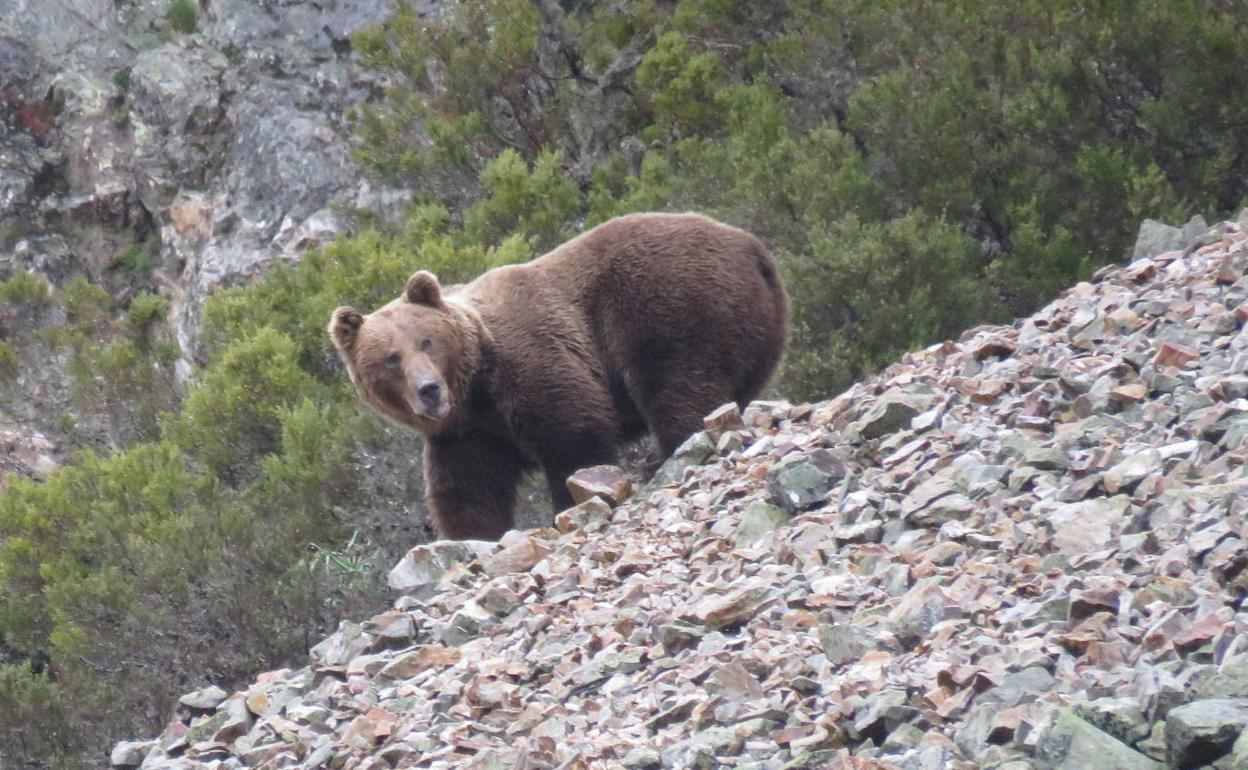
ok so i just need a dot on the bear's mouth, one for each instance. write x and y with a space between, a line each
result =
432 412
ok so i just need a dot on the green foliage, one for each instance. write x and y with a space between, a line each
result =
125 570
865 293
25 289
9 363
476 76
614 192
121 369
234 417
1039 133
539 202
682 83
30 713
121 78
87 305
216 546
182 16
145 311
137 259
80 582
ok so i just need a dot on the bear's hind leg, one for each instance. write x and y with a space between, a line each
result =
470 486
674 409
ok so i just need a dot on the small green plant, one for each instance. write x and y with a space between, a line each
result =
86 304
235 417
9 365
88 310
25 288
121 79
145 311
350 559
13 233
138 258
182 16
134 260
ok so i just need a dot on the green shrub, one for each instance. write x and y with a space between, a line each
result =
138 258
682 83
135 260
865 293
208 553
87 305
234 416
25 289
9 363
30 713
538 203
121 370
182 16
145 311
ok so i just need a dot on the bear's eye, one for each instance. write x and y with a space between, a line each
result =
392 359
425 345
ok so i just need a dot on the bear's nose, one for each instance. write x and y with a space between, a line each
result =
430 392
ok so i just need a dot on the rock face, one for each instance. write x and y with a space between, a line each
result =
230 142
982 557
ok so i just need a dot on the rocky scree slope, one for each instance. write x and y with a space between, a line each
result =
1024 549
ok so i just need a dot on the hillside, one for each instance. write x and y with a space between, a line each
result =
190 491
1023 549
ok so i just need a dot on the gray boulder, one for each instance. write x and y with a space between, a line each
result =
1155 238
1070 743
1200 732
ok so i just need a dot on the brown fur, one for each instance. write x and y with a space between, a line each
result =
644 323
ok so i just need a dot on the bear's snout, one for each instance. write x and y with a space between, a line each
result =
429 394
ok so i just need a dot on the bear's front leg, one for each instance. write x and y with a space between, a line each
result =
470 486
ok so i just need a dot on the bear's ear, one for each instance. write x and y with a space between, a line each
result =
344 326
423 289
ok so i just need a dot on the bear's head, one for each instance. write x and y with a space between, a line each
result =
414 359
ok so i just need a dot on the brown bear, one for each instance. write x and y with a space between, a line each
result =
644 323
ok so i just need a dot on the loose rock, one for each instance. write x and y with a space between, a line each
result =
1199 733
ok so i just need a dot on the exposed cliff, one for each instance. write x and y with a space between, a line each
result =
147 151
